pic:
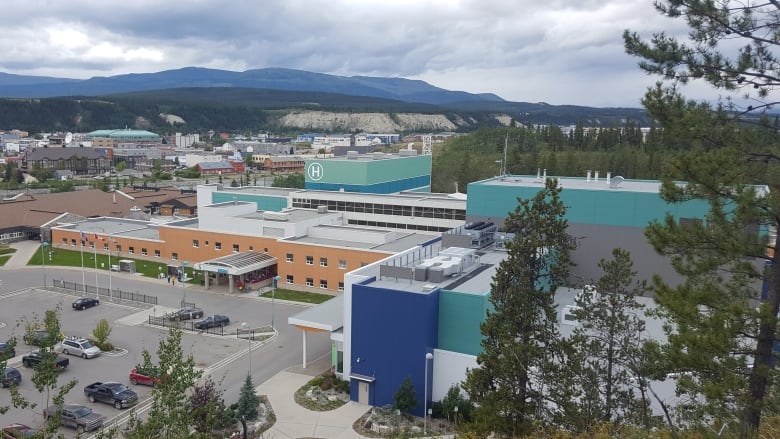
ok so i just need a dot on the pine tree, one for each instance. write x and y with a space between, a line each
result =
602 358
405 399
246 407
520 333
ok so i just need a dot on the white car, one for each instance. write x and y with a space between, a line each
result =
77 346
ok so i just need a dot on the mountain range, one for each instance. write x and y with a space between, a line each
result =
142 96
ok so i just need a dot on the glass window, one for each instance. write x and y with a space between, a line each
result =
175 256
309 260
156 253
195 243
290 279
341 286
323 283
343 264
235 248
64 241
143 251
131 250
105 247
289 257
323 262
309 282
118 248
91 244
217 246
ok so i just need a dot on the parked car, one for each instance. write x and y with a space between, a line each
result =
84 303
116 394
18 431
38 337
212 321
186 313
141 376
77 416
78 346
10 376
33 359
7 351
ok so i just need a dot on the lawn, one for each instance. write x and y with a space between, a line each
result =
298 296
4 259
73 258
7 250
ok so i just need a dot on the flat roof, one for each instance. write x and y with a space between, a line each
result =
260 190
119 227
327 316
581 183
406 241
423 198
294 215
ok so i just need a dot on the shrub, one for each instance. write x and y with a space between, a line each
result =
100 335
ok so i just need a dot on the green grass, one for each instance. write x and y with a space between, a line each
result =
72 258
298 296
7 251
4 259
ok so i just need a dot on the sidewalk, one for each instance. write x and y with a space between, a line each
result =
24 251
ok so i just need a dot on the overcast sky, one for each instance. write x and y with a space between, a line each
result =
556 51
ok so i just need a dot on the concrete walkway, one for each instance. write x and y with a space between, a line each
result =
24 251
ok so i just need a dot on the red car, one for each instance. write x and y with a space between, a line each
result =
140 376
18 431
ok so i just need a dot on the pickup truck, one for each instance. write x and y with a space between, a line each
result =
33 359
116 394
77 416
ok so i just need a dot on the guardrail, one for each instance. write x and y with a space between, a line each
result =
78 289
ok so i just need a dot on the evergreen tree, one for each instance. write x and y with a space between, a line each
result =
520 333
405 399
246 407
602 357
717 328
169 417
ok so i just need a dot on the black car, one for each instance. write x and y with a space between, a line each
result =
84 303
10 376
33 359
7 351
36 338
212 321
186 313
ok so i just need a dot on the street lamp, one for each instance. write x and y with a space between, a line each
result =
428 357
44 244
245 327
273 298
183 283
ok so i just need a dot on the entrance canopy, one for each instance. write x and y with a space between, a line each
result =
237 263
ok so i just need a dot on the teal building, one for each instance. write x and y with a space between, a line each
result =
376 173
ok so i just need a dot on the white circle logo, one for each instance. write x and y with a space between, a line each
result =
315 172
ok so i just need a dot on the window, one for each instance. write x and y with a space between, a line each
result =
73 243
195 243
309 260
217 246
265 250
309 282
105 247
290 279
118 248
323 262
341 286
156 253
143 251
343 264
251 248
91 244
289 257
235 248
206 243
175 256
64 241
323 283
131 250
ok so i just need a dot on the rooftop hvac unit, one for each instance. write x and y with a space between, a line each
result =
352 155
276 216
378 156
322 209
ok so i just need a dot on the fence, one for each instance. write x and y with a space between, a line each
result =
187 325
104 293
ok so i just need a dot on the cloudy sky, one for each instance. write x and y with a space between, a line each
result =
557 51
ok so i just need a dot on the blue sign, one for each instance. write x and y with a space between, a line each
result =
221 270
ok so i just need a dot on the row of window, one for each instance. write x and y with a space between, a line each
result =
310 261
117 248
423 227
290 279
218 245
383 209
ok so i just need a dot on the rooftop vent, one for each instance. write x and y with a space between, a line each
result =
352 155
276 216
378 156
322 209
615 182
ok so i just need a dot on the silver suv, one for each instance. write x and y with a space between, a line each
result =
78 346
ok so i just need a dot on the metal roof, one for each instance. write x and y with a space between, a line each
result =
237 263
327 316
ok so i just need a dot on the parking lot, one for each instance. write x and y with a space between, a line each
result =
130 333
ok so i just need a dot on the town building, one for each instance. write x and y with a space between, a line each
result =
110 138
377 173
81 161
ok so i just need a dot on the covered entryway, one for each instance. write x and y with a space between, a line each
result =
326 317
235 269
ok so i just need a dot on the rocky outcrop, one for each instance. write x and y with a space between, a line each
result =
366 122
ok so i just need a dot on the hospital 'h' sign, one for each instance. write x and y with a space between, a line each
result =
315 171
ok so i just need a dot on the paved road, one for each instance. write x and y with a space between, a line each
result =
226 359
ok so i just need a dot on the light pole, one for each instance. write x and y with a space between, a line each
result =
183 283
245 327
44 244
428 357
110 283
273 298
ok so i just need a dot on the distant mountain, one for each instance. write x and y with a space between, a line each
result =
400 89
